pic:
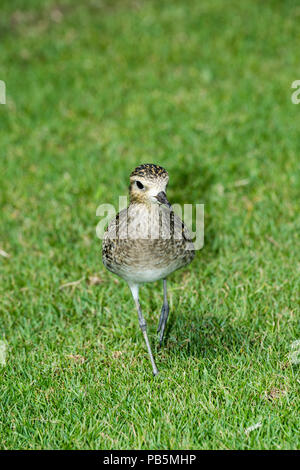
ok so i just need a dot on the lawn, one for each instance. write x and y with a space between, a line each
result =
203 89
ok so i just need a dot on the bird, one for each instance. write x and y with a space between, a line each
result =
147 241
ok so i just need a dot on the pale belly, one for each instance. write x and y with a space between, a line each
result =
147 275
138 272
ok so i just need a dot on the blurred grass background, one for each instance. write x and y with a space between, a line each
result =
93 90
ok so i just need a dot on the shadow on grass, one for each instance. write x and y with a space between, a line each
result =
206 335
192 184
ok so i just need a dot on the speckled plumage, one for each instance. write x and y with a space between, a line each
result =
129 249
147 241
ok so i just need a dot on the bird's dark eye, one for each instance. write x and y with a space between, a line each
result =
139 185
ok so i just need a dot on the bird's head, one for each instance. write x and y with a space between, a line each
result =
148 184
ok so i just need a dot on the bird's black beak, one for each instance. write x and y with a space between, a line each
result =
162 198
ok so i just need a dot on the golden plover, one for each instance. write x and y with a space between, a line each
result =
146 241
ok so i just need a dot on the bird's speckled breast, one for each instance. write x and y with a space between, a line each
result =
146 243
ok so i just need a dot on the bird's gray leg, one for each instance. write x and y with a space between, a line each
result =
135 293
164 315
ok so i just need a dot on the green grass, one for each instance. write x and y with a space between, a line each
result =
203 89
